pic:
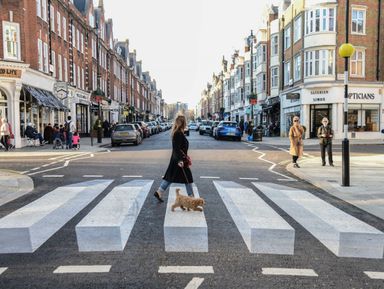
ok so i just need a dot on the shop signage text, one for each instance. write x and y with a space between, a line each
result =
354 95
319 91
6 72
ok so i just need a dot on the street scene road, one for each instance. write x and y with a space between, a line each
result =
94 223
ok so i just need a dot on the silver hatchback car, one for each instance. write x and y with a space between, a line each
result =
125 133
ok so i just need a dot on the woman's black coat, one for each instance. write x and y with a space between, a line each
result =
175 173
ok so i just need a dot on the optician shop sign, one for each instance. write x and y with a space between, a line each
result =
361 95
7 72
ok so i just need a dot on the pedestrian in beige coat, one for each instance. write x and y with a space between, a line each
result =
296 133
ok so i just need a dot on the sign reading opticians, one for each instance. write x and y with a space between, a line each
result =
9 72
361 95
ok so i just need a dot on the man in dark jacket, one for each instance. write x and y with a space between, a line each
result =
32 133
325 135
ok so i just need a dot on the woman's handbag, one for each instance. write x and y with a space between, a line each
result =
186 160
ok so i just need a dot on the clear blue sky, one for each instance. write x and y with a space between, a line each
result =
181 42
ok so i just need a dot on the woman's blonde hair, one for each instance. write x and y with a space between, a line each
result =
179 124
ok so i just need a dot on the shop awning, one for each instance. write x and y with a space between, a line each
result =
45 97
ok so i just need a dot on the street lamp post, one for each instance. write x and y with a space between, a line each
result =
250 43
346 50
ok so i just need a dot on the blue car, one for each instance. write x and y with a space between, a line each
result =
227 129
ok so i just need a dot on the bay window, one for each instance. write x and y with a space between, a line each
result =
275 45
274 77
319 62
320 20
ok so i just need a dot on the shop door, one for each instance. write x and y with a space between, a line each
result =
318 115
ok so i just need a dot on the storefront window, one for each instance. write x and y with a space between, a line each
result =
363 117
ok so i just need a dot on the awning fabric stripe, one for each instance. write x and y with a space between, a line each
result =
45 97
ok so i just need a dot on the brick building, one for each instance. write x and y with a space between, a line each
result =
53 54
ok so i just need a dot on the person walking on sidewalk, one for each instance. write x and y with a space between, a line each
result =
5 133
325 135
70 128
179 165
296 133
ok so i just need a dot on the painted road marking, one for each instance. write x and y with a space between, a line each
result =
27 228
53 176
289 272
48 170
3 269
132 176
273 165
35 169
82 269
184 231
263 230
93 176
287 180
209 177
108 226
251 179
186 269
343 234
375 275
195 283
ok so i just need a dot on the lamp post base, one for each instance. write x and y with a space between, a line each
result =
345 163
99 135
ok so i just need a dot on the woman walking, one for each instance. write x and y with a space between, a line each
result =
296 133
178 169
5 133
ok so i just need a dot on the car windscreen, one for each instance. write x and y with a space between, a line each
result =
229 124
123 127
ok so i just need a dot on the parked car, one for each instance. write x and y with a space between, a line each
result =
228 129
205 127
144 127
193 126
125 133
137 126
214 126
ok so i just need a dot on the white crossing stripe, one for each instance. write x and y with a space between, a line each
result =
132 176
3 269
375 275
108 226
92 176
53 176
263 230
195 283
250 179
27 228
184 231
209 177
289 272
341 233
186 269
82 269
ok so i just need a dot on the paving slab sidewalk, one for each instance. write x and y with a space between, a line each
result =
366 180
13 185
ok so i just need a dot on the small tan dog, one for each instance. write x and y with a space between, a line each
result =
188 202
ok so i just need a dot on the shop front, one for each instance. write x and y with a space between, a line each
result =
365 110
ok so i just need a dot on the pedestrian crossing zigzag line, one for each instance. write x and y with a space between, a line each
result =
26 229
273 165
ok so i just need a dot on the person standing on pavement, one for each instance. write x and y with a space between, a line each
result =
325 135
48 134
5 133
296 133
70 128
178 169
106 127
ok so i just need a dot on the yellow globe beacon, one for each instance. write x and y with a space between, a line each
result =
346 50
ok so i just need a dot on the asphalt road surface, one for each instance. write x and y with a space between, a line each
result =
144 261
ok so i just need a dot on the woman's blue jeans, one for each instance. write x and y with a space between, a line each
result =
165 184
